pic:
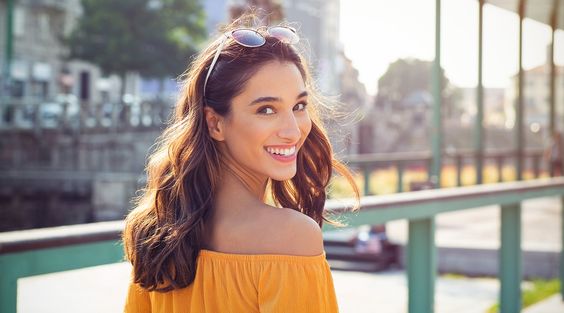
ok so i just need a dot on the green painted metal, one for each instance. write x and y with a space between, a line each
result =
421 266
562 249
430 209
479 131
43 261
499 162
458 170
552 96
366 174
436 133
9 47
519 105
510 259
418 207
399 165
552 78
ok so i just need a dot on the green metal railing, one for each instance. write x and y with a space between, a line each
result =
420 209
367 163
34 252
48 250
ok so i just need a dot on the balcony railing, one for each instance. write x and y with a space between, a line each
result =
367 163
40 251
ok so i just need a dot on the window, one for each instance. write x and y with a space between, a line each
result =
19 21
17 89
43 24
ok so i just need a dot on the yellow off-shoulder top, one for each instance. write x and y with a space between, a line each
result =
245 283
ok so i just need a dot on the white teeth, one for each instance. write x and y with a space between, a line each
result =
286 151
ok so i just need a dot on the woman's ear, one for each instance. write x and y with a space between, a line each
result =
214 122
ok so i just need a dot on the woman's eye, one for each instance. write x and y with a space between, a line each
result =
300 106
266 110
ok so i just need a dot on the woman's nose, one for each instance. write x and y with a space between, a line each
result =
290 128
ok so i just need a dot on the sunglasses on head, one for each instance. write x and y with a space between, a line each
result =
251 38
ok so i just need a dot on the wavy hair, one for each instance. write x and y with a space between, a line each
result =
164 232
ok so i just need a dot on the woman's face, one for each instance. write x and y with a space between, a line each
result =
268 122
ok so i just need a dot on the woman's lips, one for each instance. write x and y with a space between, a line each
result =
282 153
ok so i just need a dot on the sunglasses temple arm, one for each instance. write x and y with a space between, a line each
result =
215 57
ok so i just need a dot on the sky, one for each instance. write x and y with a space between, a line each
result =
375 33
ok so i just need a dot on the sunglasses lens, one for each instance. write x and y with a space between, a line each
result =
284 34
248 38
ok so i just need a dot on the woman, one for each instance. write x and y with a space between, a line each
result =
202 238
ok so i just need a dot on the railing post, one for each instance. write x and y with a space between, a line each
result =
8 289
429 169
399 165
536 166
499 161
458 170
562 247
366 173
510 259
421 265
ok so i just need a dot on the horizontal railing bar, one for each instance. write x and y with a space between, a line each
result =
425 155
387 157
42 238
82 175
376 209
521 189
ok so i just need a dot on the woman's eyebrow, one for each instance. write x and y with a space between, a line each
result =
274 99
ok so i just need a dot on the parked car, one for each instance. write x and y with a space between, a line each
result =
366 248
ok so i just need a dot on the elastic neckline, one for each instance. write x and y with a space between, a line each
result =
204 253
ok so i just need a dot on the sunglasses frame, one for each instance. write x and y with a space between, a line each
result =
226 36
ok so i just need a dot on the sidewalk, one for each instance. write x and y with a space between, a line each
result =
468 241
386 292
103 289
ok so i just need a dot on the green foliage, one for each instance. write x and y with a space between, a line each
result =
154 37
406 76
540 290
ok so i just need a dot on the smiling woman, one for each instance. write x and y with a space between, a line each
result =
202 237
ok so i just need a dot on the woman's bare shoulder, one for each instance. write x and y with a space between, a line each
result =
292 232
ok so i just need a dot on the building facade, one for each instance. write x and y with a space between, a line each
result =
536 92
37 69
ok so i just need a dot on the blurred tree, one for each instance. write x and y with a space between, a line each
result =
406 76
153 37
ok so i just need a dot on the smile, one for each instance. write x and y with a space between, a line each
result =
282 151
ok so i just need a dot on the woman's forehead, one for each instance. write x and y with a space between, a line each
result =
276 79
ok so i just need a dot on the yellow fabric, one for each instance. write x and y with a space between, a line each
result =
245 283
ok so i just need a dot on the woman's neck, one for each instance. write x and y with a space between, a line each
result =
238 192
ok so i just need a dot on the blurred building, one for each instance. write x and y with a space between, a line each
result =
318 24
536 91
267 12
216 12
36 63
38 70
354 100
494 107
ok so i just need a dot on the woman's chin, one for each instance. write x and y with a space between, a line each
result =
283 176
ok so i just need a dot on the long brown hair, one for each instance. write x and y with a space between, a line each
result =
164 233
